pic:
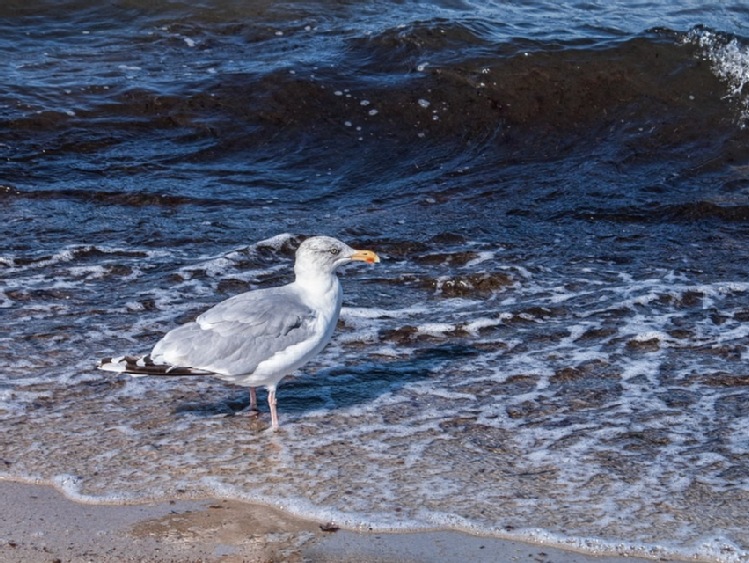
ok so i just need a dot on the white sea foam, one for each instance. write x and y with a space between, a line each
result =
436 329
554 402
483 256
730 62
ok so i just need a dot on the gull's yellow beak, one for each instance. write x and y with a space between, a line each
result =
365 256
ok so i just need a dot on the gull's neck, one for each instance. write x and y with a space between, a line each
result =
318 287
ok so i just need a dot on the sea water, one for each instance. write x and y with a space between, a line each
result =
553 347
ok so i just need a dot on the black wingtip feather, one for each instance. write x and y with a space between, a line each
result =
135 365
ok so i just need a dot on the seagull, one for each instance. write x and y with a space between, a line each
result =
255 339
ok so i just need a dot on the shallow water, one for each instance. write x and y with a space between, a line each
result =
554 344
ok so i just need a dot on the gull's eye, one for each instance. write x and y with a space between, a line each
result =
334 251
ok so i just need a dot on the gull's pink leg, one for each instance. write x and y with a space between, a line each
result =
253 399
272 405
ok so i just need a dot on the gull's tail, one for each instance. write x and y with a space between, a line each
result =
140 366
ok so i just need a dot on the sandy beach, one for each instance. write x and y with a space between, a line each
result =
39 524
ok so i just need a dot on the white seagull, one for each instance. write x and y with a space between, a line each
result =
255 339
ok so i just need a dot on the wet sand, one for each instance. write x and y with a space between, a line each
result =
39 524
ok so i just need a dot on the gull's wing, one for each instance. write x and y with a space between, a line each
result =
236 335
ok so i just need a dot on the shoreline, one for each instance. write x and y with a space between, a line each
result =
43 525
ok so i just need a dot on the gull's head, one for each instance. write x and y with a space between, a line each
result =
325 254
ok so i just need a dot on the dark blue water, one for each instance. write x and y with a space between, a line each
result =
554 345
